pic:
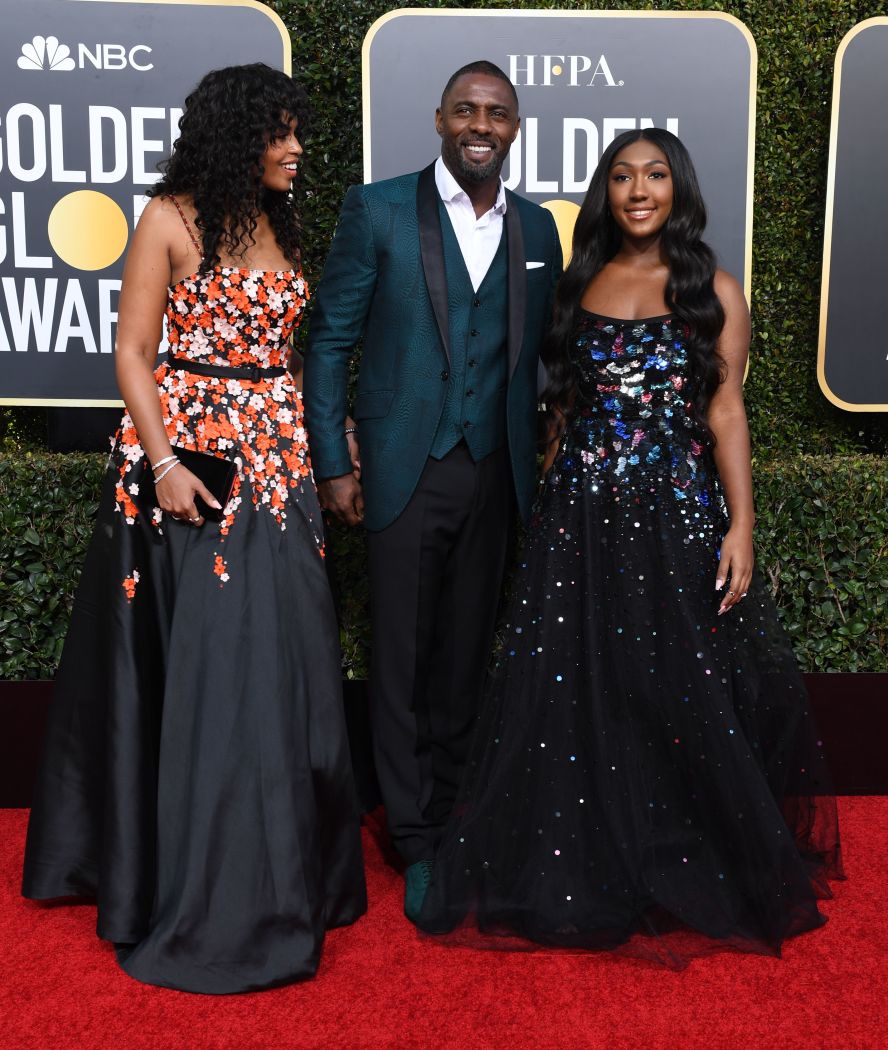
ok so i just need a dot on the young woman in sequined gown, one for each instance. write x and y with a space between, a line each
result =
645 775
196 777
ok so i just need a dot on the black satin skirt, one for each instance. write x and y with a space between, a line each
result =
196 777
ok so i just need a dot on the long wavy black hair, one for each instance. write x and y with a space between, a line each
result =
689 294
228 120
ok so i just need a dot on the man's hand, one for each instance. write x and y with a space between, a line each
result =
354 449
343 498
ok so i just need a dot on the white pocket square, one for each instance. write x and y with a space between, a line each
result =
534 265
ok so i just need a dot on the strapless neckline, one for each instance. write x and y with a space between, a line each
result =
196 274
626 320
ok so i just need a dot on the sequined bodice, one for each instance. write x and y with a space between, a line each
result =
633 420
232 316
632 371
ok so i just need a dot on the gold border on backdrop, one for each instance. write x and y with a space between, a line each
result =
458 13
63 402
848 406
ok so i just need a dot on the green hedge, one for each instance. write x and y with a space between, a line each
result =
47 504
820 471
822 542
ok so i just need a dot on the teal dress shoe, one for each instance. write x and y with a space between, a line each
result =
416 881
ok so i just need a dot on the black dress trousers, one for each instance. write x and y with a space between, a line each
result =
435 579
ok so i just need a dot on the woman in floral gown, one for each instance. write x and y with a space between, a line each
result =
645 775
197 778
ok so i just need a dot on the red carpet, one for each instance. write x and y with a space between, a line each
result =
380 986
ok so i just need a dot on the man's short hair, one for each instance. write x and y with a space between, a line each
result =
488 69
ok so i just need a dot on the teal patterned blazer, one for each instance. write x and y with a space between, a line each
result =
385 282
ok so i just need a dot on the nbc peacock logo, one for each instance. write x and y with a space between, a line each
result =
45 52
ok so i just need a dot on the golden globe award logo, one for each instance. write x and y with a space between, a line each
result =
88 111
88 230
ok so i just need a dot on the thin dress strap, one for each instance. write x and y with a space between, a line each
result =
194 240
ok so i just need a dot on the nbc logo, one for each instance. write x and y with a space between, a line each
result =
45 52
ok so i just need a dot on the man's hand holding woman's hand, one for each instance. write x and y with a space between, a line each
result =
343 497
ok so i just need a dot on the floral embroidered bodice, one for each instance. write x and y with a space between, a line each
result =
235 317
231 317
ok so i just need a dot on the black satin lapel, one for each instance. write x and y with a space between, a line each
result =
517 283
431 246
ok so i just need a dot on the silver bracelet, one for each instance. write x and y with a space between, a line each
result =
351 430
160 462
172 466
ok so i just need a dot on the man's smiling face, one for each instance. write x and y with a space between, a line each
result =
477 121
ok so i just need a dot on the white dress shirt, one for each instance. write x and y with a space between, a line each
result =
478 238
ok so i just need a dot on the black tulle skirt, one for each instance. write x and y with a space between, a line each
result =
645 774
196 778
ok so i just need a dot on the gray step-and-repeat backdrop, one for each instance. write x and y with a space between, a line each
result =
90 92
90 97
852 360
582 78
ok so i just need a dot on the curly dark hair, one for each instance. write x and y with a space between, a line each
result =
228 121
690 294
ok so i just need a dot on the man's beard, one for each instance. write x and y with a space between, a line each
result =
476 172
480 172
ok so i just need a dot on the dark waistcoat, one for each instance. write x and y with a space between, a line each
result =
475 403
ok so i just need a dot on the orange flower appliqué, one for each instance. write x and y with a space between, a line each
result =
129 585
231 317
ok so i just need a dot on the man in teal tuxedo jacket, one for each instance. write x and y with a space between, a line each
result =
448 278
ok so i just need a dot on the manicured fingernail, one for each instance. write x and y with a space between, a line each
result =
723 609
719 584
216 504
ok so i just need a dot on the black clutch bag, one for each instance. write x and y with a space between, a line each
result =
216 473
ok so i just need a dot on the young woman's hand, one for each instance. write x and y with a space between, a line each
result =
734 567
176 492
